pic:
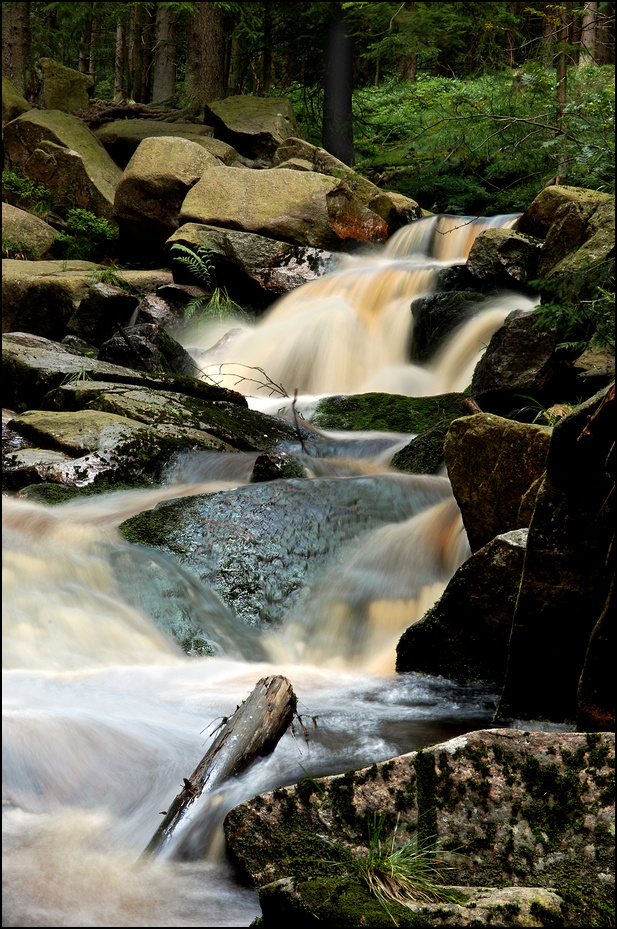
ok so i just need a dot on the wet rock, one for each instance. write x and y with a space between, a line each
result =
569 567
23 232
151 349
465 636
100 310
55 87
542 212
521 364
252 268
254 126
437 316
151 191
491 463
504 258
33 366
507 807
58 150
275 465
259 546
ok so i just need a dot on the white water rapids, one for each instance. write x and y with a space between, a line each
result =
104 714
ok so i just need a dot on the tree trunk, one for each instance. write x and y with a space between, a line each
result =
94 37
119 93
252 732
563 165
337 126
148 53
163 84
205 59
135 52
16 44
588 33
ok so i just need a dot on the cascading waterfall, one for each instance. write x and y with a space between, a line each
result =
104 714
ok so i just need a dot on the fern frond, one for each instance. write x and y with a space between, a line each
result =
198 263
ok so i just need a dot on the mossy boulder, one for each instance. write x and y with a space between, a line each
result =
254 126
465 636
57 149
122 137
507 807
300 207
389 412
492 462
152 188
56 87
13 104
25 235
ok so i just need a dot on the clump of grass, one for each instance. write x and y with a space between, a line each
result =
406 874
215 305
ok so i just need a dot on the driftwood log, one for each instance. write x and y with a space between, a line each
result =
250 733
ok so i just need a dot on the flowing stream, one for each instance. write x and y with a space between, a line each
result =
103 714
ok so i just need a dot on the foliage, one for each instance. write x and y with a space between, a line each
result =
16 249
86 236
36 198
109 274
215 305
581 321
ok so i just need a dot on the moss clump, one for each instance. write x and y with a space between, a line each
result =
387 412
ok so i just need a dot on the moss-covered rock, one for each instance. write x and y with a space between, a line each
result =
56 87
23 232
389 412
254 126
507 807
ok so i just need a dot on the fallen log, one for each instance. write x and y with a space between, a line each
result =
250 733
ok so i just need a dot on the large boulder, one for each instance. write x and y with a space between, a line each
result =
501 806
465 636
300 207
568 572
55 87
504 258
492 462
396 209
150 348
153 186
57 149
521 364
254 126
25 234
542 212
13 104
437 316
252 268
122 137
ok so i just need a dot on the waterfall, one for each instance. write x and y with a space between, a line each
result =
104 714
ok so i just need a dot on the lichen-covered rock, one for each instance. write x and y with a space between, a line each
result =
568 571
57 149
390 412
465 636
491 463
504 258
506 807
152 189
301 207
121 138
56 87
23 232
254 126
542 212
252 268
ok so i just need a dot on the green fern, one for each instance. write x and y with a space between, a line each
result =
198 262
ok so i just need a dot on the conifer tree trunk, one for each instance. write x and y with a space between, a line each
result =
205 60
120 56
163 81
337 128
16 44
